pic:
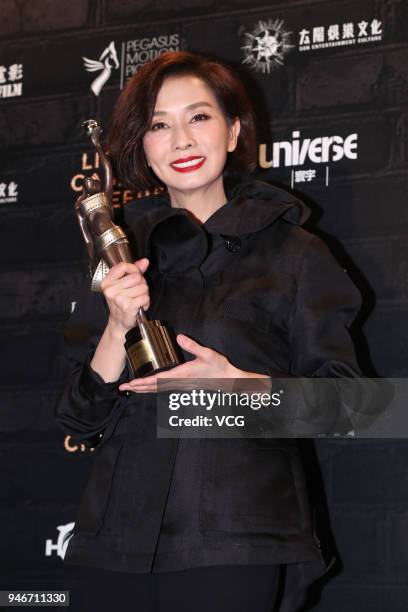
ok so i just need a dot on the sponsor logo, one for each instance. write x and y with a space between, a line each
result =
304 176
340 34
133 54
298 152
11 81
318 150
8 192
60 546
107 62
266 46
139 51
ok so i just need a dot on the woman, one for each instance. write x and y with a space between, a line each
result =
200 523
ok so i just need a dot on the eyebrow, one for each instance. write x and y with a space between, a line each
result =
188 107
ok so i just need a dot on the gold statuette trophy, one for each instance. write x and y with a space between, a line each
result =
150 346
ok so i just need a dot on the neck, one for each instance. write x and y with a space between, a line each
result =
201 203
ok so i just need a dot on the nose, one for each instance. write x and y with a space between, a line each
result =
182 138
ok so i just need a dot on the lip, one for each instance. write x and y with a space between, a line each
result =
185 160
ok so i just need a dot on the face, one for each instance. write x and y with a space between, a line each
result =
189 138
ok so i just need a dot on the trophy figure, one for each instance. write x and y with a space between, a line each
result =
150 345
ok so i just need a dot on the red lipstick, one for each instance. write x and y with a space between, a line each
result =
188 164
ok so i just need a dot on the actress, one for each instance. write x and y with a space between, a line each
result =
200 524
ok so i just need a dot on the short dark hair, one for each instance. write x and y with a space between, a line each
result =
133 112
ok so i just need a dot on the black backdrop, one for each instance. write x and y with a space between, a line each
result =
330 80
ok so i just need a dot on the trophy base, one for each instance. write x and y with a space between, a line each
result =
151 348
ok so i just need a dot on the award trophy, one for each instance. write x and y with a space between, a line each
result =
150 346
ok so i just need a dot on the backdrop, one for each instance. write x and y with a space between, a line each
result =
330 81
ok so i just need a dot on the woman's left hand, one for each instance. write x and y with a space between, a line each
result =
207 364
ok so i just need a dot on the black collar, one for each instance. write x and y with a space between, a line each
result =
159 230
252 207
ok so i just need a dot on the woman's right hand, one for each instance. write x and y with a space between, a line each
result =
126 291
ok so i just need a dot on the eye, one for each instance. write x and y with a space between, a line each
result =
200 117
157 126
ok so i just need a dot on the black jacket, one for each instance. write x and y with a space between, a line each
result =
255 286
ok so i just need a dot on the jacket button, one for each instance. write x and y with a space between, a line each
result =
232 243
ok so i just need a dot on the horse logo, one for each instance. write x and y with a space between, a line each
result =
107 61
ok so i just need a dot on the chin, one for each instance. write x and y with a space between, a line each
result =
187 183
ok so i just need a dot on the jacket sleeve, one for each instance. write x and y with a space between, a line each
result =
87 404
333 395
325 305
